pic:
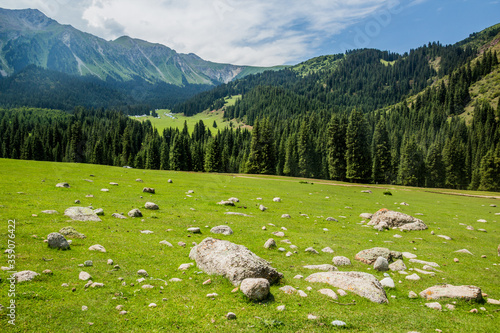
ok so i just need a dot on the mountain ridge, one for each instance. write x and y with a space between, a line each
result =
28 37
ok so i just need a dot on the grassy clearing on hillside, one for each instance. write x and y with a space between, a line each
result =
208 118
28 187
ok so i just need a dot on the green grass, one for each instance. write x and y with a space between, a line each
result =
28 187
208 118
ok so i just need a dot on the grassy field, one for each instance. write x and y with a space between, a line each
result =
208 118
43 305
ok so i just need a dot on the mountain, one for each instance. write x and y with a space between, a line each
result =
28 37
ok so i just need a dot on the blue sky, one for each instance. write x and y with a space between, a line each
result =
274 32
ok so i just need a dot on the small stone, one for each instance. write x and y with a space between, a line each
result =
142 272
270 244
164 242
482 221
473 311
84 276
286 216
450 307
435 306
311 317
123 312
413 277
110 262
175 280
281 308
64 285
135 213
88 263
84 308
301 293
277 199
181 244
147 286
262 208
331 219
194 230
288 290
412 295
387 282
48 272
311 250
185 267
338 323
456 260
97 285
381 264
151 206
230 316
328 292
341 261
98 248
298 277
327 250
207 282
152 305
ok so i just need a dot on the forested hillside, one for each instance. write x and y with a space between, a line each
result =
366 116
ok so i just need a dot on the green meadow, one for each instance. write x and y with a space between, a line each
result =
43 305
208 118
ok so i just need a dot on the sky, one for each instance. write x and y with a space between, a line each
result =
274 32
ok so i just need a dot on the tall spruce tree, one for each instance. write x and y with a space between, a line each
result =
336 148
357 152
381 152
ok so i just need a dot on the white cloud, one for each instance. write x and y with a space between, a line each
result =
251 32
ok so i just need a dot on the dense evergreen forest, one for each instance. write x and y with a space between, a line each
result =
371 116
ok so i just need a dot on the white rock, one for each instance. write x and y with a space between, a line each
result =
281 308
409 255
97 247
327 250
435 306
416 261
387 283
84 276
301 293
142 272
110 262
413 277
185 267
338 323
164 242
328 292
152 305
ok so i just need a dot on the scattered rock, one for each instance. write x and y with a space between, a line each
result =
148 190
97 247
338 323
147 286
181 244
84 276
235 262
331 219
135 213
164 242
468 293
262 208
340 261
99 212
369 256
473 311
151 206
444 237
464 251
328 292
113 184
281 308
185 267
84 308
327 250
311 250
366 216
194 230
57 241
279 234
413 277
230 316
381 264
104 190
341 292
226 203
77 201
277 199
63 185
222 229
170 181
233 199
482 221
325 267
311 317
88 263
207 282
493 301
362 284
110 262
409 255
387 219
50 212
412 295
416 261
237 214
147 232
398 265
387 283
270 244
152 305
367 191
48 272
301 293
142 272
435 306
82 214
118 216
123 312
97 285
255 289
450 307
286 216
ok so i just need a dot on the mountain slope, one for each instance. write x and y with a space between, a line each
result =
29 37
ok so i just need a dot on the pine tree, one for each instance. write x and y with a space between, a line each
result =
214 125
411 164
454 161
381 152
304 150
336 148
290 167
357 153
212 156
434 166
490 170
164 156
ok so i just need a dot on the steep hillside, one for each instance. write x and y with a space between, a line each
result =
29 37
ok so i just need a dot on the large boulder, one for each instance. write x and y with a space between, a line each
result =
469 293
369 256
381 264
235 262
362 284
388 219
57 241
255 289
81 214
222 229
71 232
